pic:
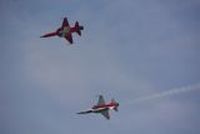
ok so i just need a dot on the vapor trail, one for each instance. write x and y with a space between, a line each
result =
172 91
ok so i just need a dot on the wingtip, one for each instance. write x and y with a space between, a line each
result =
108 118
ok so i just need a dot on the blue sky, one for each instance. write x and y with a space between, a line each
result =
129 49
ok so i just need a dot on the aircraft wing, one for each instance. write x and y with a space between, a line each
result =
85 112
65 22
69 38
101 100
106 114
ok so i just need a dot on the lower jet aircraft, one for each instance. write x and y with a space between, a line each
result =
102 107
65 31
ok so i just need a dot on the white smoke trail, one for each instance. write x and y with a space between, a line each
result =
168 93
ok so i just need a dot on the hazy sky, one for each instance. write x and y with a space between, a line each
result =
129 49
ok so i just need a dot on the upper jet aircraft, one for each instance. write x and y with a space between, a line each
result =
102 107
66 31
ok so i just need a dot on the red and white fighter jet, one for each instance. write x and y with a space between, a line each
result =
65 31
102 107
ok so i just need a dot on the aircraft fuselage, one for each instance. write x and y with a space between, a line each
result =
100 108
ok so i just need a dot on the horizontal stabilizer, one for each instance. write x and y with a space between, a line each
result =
116 109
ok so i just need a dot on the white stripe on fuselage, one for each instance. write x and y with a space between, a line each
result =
112 107
104 108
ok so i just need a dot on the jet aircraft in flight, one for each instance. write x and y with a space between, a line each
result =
102 107
65 31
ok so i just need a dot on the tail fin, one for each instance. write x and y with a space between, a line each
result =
78 28
113 101
117 104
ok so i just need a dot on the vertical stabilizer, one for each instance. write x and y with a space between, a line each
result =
78 28
117 104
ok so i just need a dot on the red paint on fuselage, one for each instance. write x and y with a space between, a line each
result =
110 105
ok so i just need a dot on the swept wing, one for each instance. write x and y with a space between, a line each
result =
101 100
65 22
106 114
69 38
